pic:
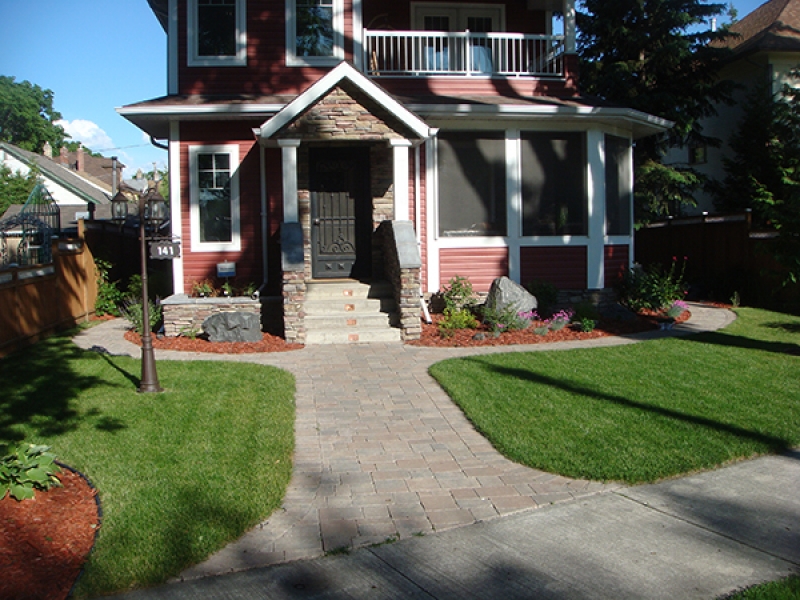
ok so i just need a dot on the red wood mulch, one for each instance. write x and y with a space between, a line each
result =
269 343
45 541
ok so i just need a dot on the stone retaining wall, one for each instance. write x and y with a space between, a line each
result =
184 315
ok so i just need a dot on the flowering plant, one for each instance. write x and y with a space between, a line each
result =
677 308
560 319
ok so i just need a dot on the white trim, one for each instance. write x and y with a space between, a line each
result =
194 111
292 60
358 35
172 48
291 204
326 83
432 210
235 245
174 157
513 201
596 204
460 12
193 59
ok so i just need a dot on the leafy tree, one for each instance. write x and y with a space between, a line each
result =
72 146
651 55
15 187
763 173
27 117
163 181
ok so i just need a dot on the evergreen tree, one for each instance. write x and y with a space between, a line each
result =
655 56
27 117
764 172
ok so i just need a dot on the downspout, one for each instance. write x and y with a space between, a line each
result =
264 236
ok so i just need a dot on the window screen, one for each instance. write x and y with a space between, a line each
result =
554 184
472 184
618 186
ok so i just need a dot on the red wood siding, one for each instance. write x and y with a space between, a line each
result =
480 265
563 266
616 259
200 265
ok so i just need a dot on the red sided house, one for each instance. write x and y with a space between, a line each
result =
321 141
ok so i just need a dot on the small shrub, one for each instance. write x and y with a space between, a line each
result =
652 288
189 332
546 296
456 319
26 470
458 293
204 289
677 308
132 310
586 325
542 329
109 296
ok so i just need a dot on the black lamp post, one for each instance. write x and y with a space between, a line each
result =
153 211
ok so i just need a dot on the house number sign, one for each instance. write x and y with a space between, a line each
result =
165 249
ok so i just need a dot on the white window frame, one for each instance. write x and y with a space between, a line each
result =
235 245
458 14
237 60
293 60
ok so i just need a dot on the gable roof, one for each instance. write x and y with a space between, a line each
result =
59 174
344 71
773 26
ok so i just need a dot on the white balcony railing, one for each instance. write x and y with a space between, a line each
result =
463 53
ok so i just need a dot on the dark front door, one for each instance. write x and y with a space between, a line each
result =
341 212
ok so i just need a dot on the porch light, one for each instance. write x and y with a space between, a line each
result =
119 208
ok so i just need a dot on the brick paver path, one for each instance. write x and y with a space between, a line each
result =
381 451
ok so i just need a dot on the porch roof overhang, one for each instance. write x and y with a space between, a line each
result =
343 72
540 109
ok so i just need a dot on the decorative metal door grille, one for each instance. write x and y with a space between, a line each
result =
333 233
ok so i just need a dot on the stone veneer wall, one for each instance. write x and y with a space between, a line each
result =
294 297
405 281
184 314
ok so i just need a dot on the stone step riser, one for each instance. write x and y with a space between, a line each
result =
329 307
353 322
339 292
352 337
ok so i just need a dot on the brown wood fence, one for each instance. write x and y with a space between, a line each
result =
723 256
38 300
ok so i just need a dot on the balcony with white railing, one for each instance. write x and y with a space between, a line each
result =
435 53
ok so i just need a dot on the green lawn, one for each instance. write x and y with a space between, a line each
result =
180 473
783 589
642 412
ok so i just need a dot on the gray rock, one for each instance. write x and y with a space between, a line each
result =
505 292
479 337
233 327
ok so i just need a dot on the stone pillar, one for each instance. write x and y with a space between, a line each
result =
403 267
291 211
400 183
294 283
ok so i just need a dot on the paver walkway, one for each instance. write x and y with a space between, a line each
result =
381 451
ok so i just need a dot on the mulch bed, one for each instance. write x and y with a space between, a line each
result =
269 343
605 327
44 541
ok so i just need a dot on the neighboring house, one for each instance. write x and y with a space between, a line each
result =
332 116
76 193
765 48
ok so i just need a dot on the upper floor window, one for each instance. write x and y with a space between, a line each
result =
217 33
314 32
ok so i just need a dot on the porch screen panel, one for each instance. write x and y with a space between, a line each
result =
214 186
618 186
472 184
216 20
314 27
554 197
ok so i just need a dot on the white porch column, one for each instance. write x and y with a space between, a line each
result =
595 151
400 182
513 203
174 155
291 208
570 28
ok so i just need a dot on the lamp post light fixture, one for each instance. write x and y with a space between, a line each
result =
153 212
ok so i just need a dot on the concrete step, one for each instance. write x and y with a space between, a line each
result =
347 312
346 336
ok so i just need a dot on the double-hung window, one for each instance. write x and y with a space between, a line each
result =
314 32
217 33
214 205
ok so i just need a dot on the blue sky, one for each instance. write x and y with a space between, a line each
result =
96 55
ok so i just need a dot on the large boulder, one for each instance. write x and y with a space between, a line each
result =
505 293
233 327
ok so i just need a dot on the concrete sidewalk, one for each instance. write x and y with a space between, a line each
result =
697 537
382 452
